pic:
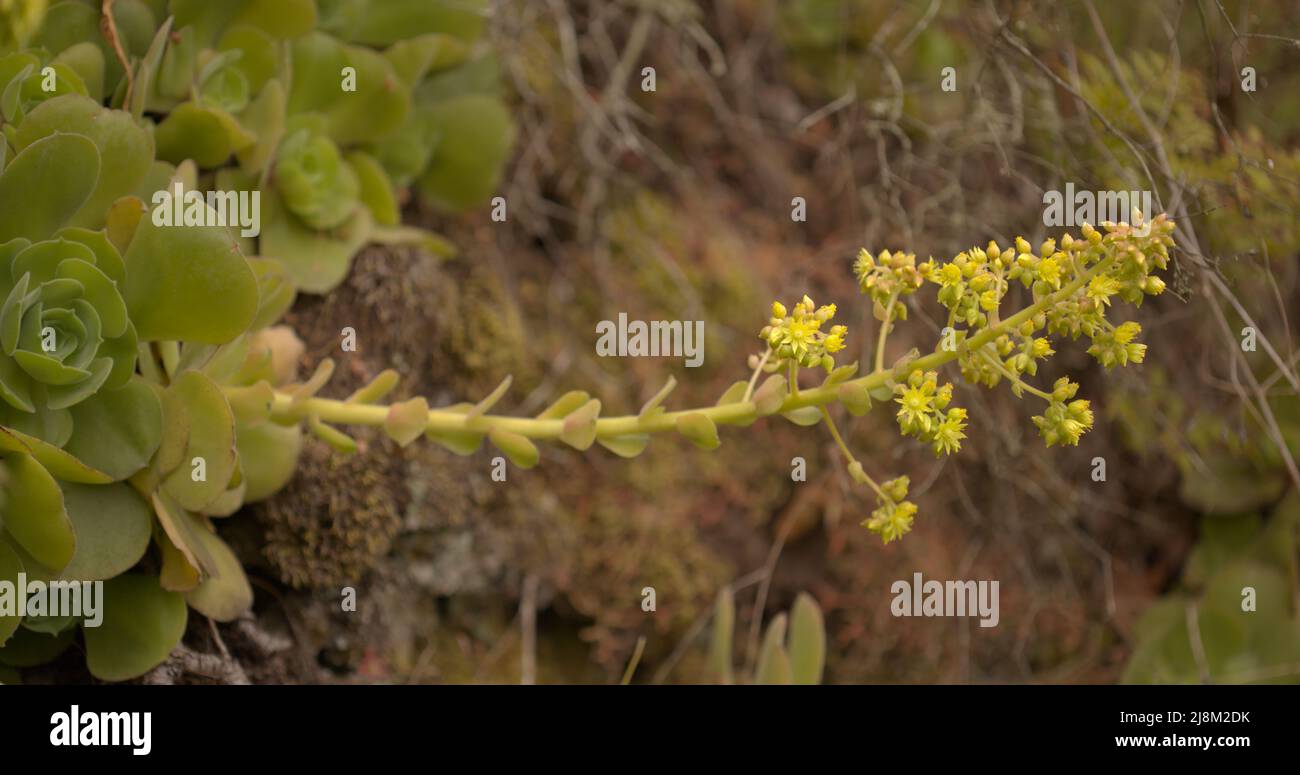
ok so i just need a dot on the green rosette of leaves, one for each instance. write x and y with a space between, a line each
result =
64 331
316 184
75 420
116 341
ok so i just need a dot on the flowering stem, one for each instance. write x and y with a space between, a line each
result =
285 410
753 378
1015 380
848 455
884 331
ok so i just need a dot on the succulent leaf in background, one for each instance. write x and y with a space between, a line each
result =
1231 619
793 648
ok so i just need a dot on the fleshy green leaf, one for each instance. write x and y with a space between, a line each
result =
697 427
770 395
564 405
773 661
268 455
113 525
804 415
225 594
29 649
724 627
317 260
211 441
476 134
188 284
380 24
34 515
579 429
407 420
521 451
59 462
125 148
628 446
10 567
376 188
46 184
117 431
807 641
142 624
208 135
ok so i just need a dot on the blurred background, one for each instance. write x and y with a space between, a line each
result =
674 204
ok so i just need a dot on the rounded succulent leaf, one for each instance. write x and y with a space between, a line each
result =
317 260
117 431
268 455
225 594
142 624
113 526
10 567
210 447
125 147
476 135
259 58
380 24
187 283
46 184
27 648
206 134
87 60
33 512
378 106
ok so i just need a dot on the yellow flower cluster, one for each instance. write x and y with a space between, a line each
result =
1063 423
921 413
796 336
893 516
1072 286
886 278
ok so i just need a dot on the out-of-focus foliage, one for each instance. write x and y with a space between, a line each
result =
1225 468
1233 619
792 651
1244 184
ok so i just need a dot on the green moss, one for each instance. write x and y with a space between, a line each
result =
335 519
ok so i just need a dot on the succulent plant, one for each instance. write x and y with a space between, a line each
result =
147 392
139 360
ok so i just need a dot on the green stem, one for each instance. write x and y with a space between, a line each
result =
884 332
1011 377
753 378
848 454
338 412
